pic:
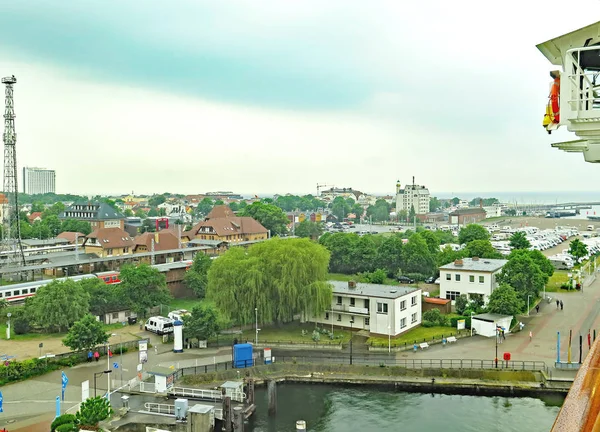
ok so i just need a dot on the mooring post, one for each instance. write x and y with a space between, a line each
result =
227 417
238 419
300 425
272 393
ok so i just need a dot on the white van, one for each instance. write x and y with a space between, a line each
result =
159 325
178 315
590 227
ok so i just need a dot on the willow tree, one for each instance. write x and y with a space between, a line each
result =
279 277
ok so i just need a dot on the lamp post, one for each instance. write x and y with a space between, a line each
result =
120 354
96 375
528 305
256 326
351 324
472 313
8 315
389 339
108 369
496 359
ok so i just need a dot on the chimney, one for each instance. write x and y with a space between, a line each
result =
458 263
475 258
480 203
351 284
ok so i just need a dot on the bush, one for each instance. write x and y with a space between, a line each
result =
21 326
316 336
376 277
432 315
454 321
461 304
60 422
427 324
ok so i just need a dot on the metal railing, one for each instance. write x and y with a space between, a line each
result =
580 86
147 387
160 408
206 394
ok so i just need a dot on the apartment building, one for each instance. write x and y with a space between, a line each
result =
38 181
470 276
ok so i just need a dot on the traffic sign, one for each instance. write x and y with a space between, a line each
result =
1 399
64 380
116 365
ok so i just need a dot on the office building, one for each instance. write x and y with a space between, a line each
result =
38 181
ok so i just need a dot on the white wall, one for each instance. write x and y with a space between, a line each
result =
464 286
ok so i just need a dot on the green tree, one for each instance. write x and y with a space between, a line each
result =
92 411
481 249
434 204
341 246
205 206
412 214
448 255
204 322
104 297
73 225
141 214
445 237
40 231
156 200
55 209
357 209
85 334
340 208
3 304
280 278
148 226
269 215
505 300
389 255
56 306
128 213
483 201
472 232
196 277
519 241
234 206
433 244
376 277
539 258
312 230
524 275
153 212
461 304
37 207
416 257
402 215
380 212
143 287
578 249
364 254
455 200
221 202
64 423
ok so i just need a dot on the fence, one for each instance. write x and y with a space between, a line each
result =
433 339
274 343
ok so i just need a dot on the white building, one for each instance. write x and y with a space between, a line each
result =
380 309
470 276
493 211
412 196
38 181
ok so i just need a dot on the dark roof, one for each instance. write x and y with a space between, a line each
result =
465 211
92 211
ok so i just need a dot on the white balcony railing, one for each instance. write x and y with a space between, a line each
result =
580 87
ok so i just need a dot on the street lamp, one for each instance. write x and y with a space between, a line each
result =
389 339
97 374
256 326
8 315
120 354
496 359
472 313
528 305
351 324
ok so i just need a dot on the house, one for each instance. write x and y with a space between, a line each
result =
441 304
72 237
475 277
464 216
163 240
98 214
119 316
108 242
34 217
379 309
220 224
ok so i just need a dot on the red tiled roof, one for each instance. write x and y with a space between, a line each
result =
110 238
71 236
33 216
220 211
166 240
229 226
435 300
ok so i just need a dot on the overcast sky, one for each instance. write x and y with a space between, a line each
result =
274 96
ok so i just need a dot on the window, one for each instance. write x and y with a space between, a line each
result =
481 279
16 292
352 301
457 277
327 316
32 290
339 300
403 305
413 301
24 291
382 308
448 276
413 318
403 323
115 315
109 251
367 304
126 250
339 317
471 278
451 295
127 314
367 321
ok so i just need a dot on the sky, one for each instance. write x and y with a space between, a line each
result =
276 96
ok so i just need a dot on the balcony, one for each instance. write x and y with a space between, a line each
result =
350 309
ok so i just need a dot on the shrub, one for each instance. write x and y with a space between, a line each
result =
376 277
316 336
427 324
461 304
65 422
21 325
454 321
432 315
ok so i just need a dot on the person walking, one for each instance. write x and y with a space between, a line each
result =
530 335
97 355
557 303
561 305
90 354
537 308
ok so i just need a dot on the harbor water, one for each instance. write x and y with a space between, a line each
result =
344 409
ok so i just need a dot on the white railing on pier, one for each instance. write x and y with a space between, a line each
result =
206 394
147 387
159 408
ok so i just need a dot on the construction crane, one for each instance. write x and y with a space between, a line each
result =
321 186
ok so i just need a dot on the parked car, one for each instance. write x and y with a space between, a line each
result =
406 280
430 280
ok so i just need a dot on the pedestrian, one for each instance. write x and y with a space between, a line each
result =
561 305
89 356
537 308
557 303
503 334
155 349
97 355
530 335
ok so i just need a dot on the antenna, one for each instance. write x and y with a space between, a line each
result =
11 228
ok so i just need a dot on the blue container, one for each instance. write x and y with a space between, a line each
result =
242 356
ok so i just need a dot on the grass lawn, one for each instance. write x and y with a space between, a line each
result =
44 336
185 303
419 334
357 278
558 278
291 332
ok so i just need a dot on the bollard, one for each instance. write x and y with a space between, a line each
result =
300 425
238 419
272 394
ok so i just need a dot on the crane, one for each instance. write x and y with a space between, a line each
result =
321 186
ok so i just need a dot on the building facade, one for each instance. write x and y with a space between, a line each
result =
474 277
379 309
109 242
412 195
98 214
38 181
466 216
222 225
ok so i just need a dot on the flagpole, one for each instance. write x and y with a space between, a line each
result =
108 368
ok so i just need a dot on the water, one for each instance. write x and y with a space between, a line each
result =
345 409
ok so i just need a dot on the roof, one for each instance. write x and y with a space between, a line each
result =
229 226
33 216
470 210
232 385
555 49
97 211
214 243
161 371
372 290
490 317
110 238
171 266
70 236
476 264
45 242
220 211
163 240
436 300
